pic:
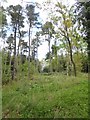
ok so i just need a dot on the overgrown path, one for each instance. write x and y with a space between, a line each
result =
54 96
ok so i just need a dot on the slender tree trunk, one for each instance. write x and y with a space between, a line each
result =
10 54
56 58
18 50
10 62
29 56
37 58
4 64
70 48
69 63
14 58
56 61
88 47
19 70
49 56
71 57
50 66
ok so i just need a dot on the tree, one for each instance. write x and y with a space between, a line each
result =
84 17
22 48
36 42
3 34
32 21
3 23
63 21
17 21
48 29
55 49
10 47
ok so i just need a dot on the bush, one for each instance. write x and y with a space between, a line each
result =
46 69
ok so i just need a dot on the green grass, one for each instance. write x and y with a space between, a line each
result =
53 96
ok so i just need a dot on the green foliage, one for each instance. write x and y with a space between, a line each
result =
32 15
48 28
16 15
59 64
21 65
33 68
3 22
56 96
62 63
3 19
46 69
84 64
78 61
6 69
54 65
85 18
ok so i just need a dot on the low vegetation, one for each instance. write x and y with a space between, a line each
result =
47 96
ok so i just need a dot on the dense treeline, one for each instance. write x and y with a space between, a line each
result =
64 27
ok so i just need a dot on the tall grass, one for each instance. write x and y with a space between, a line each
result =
47 96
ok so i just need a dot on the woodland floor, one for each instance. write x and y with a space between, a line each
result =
46 96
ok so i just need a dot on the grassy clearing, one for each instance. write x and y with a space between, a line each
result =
53 96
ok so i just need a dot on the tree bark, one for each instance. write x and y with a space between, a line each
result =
71 57
29 56
50 67
14 57
88 47
37 62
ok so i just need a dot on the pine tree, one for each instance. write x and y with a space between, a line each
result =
32 21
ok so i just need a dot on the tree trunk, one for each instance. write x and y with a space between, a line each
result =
56 57
19 59
71 57
56 61
70 48
37 62
14 57
29 56
50 67
10 61
88 47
